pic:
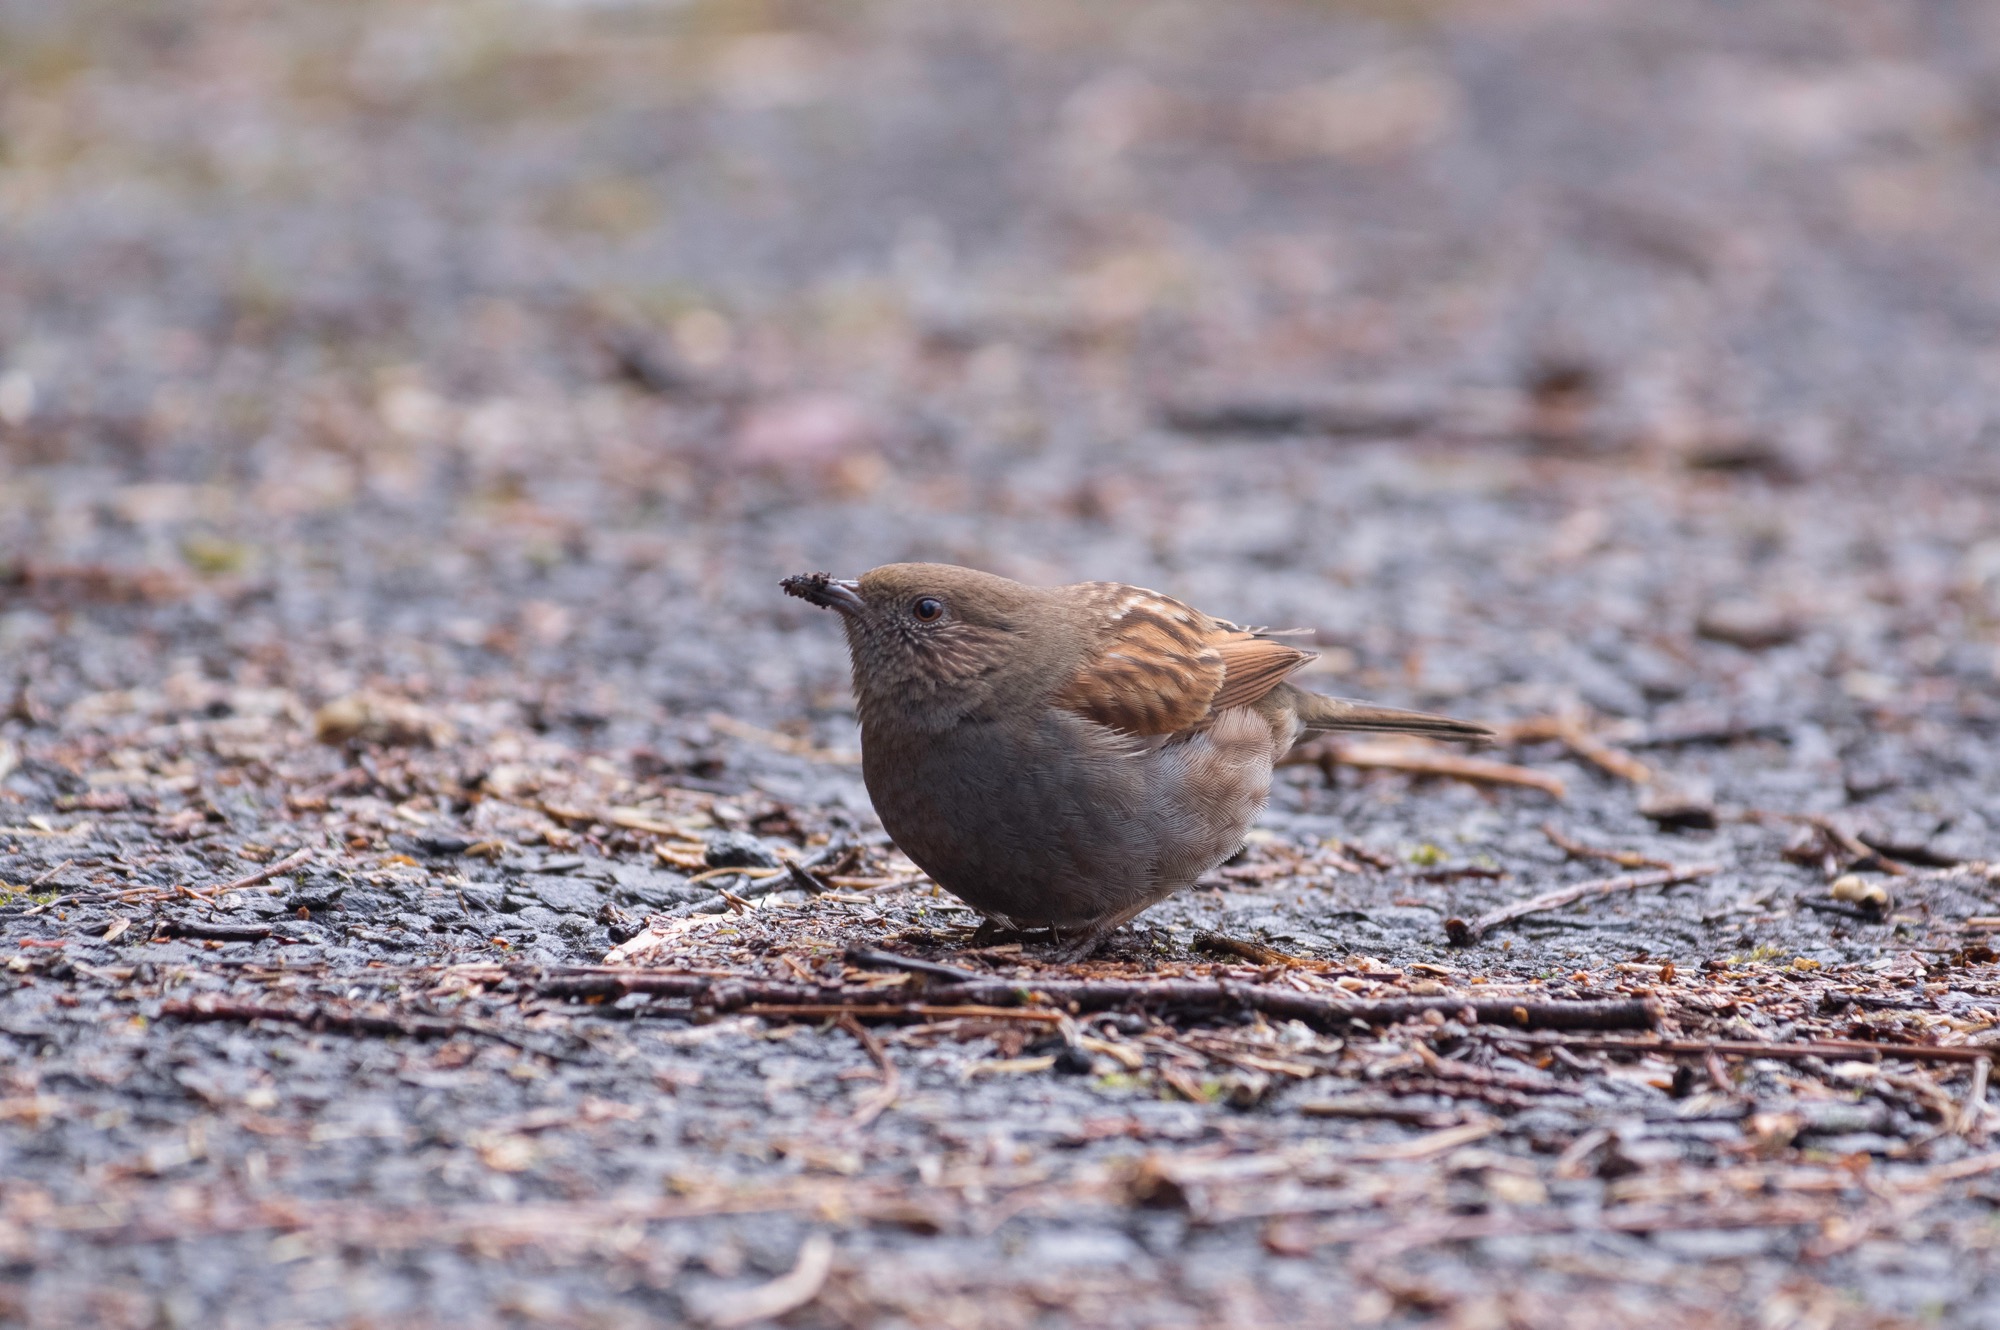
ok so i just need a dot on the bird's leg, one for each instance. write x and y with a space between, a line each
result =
992 931
1093 935
1081 947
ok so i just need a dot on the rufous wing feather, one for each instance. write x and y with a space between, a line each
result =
1163 667
1253 666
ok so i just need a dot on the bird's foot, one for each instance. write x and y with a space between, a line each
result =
1053 945
992 932
1070 950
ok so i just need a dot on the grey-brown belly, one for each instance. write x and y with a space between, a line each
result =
1101 830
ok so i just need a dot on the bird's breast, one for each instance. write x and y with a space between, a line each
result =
1054 818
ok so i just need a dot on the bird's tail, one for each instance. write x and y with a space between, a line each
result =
1321 714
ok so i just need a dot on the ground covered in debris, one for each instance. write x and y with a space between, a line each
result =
437 885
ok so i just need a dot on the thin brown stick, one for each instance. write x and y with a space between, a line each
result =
1576 849
319 1018
1367 856
1464 934
1859 851
258 878
1331 857
894 1011
1393 755
884 1096
1571 734
1606 758
871 957
46 874
1245 950
1376 1106
1751 1048
788 1292
805 879
1193 996
255 879
1293 1238
195 928
337 1020
1972 1113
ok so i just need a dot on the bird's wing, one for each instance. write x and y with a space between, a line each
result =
1162 667
1252 667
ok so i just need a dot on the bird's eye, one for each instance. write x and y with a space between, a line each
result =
927 609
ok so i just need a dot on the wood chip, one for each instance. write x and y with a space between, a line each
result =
1435 1143
1008 1067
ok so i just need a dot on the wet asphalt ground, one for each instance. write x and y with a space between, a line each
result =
407 411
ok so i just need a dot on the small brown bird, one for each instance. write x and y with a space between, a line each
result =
1065 757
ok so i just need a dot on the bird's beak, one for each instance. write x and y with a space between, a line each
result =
826 591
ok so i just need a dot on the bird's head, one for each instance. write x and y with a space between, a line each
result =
931 643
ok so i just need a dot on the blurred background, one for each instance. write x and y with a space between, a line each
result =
1538 354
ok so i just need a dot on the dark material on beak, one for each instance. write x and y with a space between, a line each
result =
826 591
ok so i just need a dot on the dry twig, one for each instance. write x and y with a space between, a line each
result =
898 1011
1419 760
212 932
1295 1238
336 1020
1571 734
870 957
1255 952
884 1096
1194 996
1972 1114
257 879
1576 849
1839 1049
296 859
788 1292
1464 934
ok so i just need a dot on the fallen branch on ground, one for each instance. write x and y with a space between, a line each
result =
1416 760
1204 997
195 928
1972 1112
788 1292
296 859
328 1020
1570 733
898 1011
257 879
1843 1049
1576 849
857 954
1255 952
341 1020
884 1095
1298 1239
1464 934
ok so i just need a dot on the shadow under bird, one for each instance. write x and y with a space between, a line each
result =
1066 757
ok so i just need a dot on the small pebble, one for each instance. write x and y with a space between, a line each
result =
738 849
